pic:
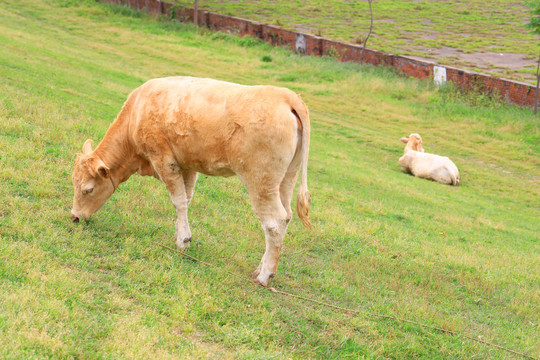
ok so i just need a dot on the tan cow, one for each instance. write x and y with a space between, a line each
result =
174 128
427 166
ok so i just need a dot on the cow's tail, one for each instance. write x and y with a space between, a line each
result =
303 198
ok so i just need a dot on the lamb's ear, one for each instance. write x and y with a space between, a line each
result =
87 147
404 140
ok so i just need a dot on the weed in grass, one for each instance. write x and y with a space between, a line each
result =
473 97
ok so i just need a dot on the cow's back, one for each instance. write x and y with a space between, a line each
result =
213 127
432 167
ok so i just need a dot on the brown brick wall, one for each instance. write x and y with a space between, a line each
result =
278 36
342 51
375 57
413 67
514 92
314 45
233 24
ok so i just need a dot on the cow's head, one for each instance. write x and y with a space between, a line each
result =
92 183
414 142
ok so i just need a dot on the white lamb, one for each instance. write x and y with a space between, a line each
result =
427 166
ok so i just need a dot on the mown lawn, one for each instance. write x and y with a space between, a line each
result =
461 258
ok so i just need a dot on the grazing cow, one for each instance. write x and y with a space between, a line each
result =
174 128
428 166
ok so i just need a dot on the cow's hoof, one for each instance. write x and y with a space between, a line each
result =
257 271
263 279
183 243
260 282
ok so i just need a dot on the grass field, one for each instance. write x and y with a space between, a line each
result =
461 258
472 34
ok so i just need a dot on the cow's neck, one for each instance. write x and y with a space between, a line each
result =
407 149
117 153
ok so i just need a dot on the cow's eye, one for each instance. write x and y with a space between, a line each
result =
87 191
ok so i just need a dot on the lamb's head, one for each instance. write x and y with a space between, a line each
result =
413 142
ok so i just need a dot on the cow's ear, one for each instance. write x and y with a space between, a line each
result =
87 147
404 140
104 171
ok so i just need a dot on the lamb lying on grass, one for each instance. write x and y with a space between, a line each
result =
427 166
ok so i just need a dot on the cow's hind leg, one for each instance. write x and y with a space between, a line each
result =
190 178
286 189
274 220
274 223
170 174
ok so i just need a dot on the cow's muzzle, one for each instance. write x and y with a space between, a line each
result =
74 218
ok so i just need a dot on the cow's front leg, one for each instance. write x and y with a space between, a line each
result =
171 175
182 232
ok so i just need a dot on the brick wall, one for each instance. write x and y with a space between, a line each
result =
512 91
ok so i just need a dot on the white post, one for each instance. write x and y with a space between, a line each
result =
439 75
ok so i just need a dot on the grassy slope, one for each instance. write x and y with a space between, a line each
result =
409 27
463 258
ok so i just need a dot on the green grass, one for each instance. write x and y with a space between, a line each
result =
462 258
406 27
